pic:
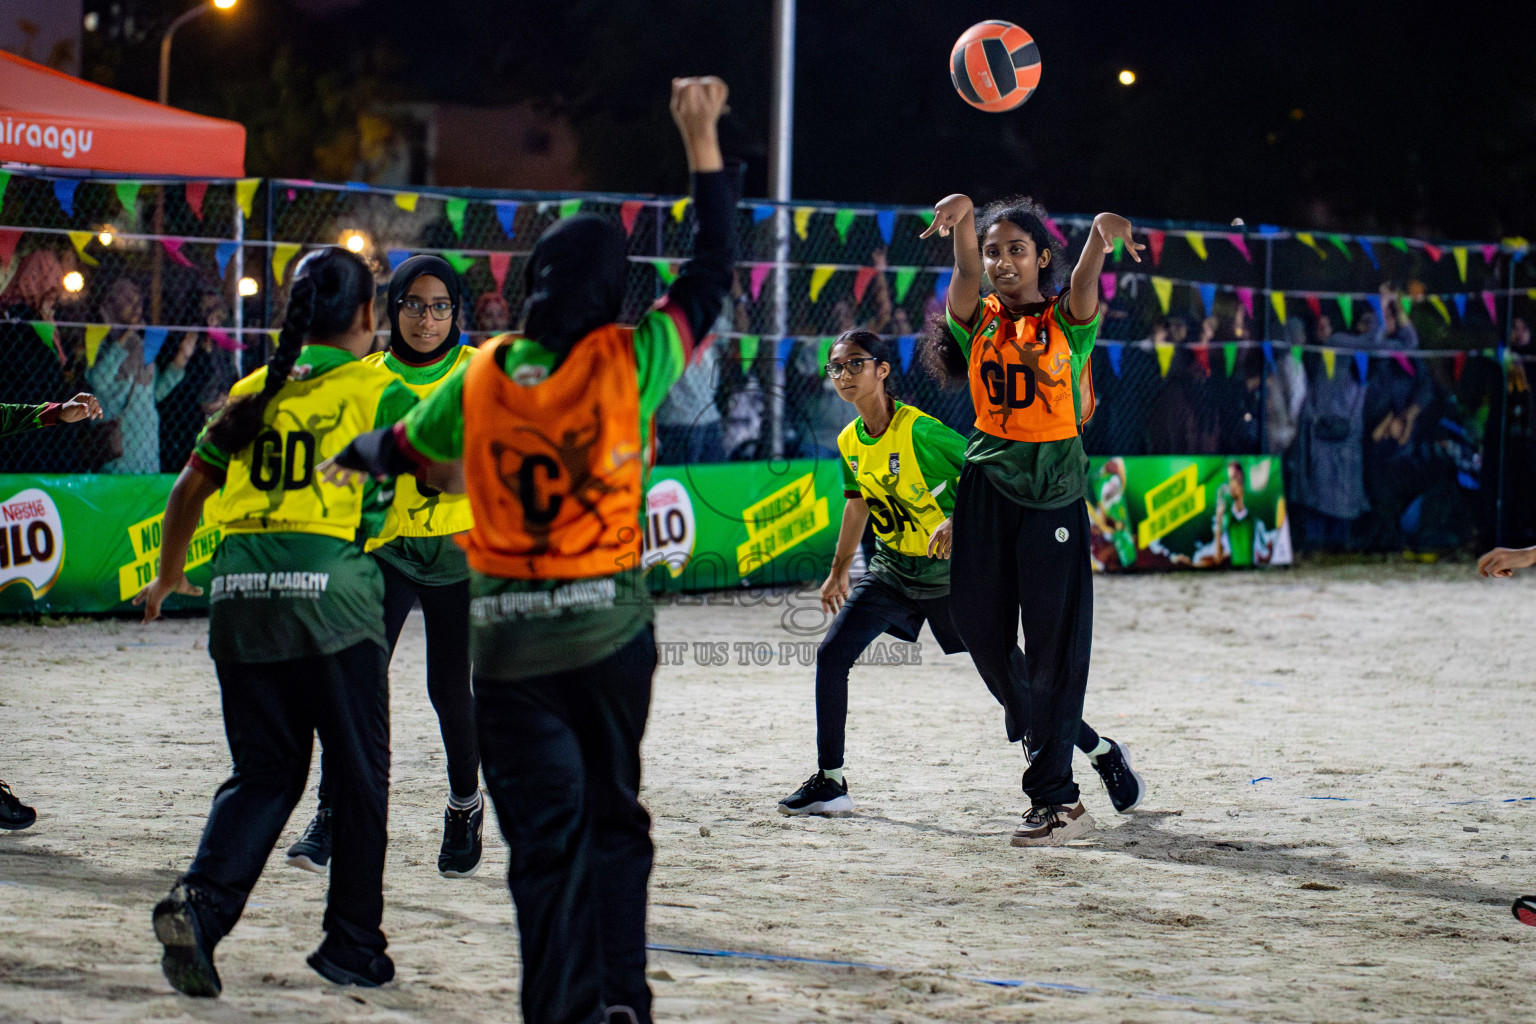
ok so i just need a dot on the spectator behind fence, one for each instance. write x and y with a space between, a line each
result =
1183 418
129 386
1398 395
688 429
1326 476
492 314
210 373
1285 391
31 371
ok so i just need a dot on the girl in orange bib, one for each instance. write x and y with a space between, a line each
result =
1020 522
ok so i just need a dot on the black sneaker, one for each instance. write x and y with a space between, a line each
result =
313 850
460 855
351 965
1525 910
820 794
14 815
1126 788
188 958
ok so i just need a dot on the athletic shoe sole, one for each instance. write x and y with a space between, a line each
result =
841 807
1525 910
1070 830
332 971
184 964
1141 783
302 861
460 874
10 827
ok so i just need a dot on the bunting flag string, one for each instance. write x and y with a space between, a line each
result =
222 254
1277 300
195 191
459 261
802 219
1402 361
1434 252
499 262
904 278
245 194
1202 355
407 201
1163 287
1208 298
1458 363
1155 243
282 254
906 347
841 222
1347 311
1461 306
1330 362
680 209
44 330
5 181
454 210
1314 304
570 208
1054 229
1107 284
225 340
1241 245
80 239
786 350
396 257
861 281
9 239
885 220
629 212
1245 296
760 272
172 249
666 270
64 192
1460 253
761 212
1306 239
819 278
1370 254
1116 352
1439 306
1488 305
1269 355
154 341
1196 242
823 350
128 196
748 345
506 216
1164 356
1362 366
941 284
1229 356
1337 241
95 334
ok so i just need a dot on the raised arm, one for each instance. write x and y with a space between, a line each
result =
705 280
1083 300
956 215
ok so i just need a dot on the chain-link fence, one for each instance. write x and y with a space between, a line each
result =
1389 371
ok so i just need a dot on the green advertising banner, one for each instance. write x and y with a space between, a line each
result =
87 543
1187 511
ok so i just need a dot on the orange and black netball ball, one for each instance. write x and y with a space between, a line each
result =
995 66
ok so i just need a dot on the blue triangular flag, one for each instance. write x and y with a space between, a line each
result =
1375 301
1116 352
1208 297
1362 365
397 257
1365 243
505 211
885 220
906 345
154 338
224 252
786 349
1269 354
760 213
1268 229
941 286
64 190
1461 305
358 186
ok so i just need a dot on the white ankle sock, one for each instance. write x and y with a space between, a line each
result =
835 774
463 803
1104 747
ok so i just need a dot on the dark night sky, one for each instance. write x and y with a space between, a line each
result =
1343 114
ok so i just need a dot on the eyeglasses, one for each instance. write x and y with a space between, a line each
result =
854 366
416 309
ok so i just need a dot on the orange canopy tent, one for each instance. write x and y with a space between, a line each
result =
53 119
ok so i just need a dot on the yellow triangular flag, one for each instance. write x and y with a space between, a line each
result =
1460 252
407 201
1164 289
803 220
80 239
245 193
1439 304
282 254
1196 242
1330 361
1305 238
819 278
95 334
1277 299
1164 356
680 207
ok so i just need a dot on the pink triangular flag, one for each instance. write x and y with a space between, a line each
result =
1107 282
861 282
629 210
9 237
1488 305
1241 245
1155 243
1050 225
1402 361
1434 252
1489 252
499 262
195 192
1245 296
760 272
173 250
1313 304
225 340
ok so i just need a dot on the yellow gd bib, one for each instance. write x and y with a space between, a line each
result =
413 514
902 509
271 485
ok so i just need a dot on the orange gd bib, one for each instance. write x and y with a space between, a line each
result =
1021 376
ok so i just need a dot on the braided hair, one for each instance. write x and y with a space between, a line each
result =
940 354
329 285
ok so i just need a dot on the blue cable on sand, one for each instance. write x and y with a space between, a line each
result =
1056 986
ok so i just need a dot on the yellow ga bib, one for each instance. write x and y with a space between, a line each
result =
413 514
902 509
272 485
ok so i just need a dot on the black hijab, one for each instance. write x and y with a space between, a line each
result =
575 281
405 276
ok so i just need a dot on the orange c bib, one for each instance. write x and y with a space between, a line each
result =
554 470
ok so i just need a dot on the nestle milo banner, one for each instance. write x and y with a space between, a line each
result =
1188 511
87 543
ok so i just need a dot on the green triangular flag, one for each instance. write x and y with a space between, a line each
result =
455 208
1229 353
823 350
1296 354
1407 302
1119 245
44 329
1342 246
748 344
1400 244
927 216
1347 309
5 179
458 261
665 271
904 278
128 195
570 208
843 220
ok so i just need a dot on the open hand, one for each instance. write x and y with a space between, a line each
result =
158 589
1111 226
83 406
947 213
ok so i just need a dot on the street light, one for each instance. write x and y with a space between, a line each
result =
165 42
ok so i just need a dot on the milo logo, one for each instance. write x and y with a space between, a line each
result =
669 527
31 541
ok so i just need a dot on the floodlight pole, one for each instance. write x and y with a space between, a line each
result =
165 49
780 174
